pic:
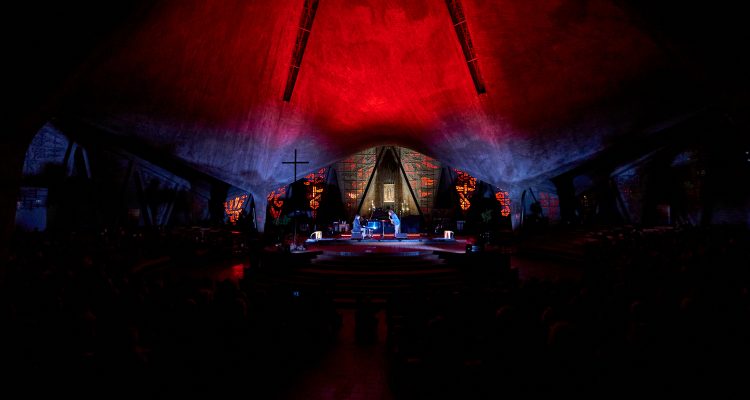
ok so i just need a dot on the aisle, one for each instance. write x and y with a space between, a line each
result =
349 371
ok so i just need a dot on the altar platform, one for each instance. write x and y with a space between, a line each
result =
413 244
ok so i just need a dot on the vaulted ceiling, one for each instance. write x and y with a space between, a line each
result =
204 80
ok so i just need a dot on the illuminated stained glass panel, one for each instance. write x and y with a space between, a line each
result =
503 198
465 187
631 191
276 202
315 183
550 205
234 206
353 174
423 174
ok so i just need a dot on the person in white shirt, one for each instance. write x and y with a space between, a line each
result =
395 221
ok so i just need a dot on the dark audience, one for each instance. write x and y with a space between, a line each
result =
88 315
663 310
657 311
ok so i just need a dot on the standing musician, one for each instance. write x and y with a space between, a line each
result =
395 221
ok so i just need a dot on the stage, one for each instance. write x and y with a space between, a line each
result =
414 244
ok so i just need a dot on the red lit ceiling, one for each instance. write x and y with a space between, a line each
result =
204 80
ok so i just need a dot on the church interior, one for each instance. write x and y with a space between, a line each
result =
372 199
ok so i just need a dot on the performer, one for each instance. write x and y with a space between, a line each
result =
395 221
356 225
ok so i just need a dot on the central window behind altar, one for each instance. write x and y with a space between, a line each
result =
389 177
389 193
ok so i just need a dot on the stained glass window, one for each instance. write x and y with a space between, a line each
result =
423 174
465 187
504 199
550 205
276 202
234 206
353 174
315 183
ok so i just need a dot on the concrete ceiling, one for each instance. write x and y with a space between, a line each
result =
204 80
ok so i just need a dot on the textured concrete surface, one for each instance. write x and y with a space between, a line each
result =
204 81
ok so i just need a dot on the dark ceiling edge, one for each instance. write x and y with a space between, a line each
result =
91 135
648 141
